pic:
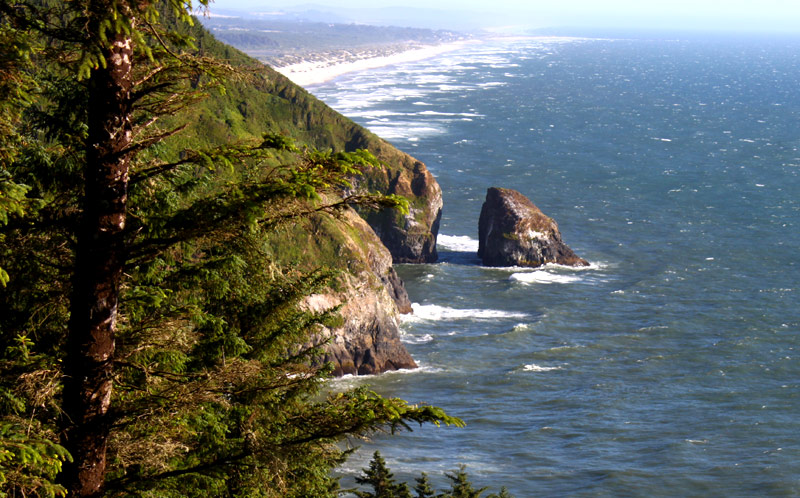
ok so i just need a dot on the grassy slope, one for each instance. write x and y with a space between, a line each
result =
264 100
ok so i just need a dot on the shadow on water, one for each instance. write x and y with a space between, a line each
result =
459 258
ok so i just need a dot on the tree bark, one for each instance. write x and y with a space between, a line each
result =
100 256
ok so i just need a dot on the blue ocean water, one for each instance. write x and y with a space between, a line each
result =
669 367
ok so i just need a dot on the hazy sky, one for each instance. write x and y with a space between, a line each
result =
758 15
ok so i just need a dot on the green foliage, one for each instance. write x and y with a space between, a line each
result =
15 93
423 487
461 487
216 387
503 494
29 464
381 480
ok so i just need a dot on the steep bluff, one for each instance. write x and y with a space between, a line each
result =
410 238
263 100
512 231
268 101
370 293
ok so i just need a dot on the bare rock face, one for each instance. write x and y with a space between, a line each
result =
410 238
512 231
368 342
371 295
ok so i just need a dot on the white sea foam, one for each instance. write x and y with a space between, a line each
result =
543 277
593 265
374 114
416 339
453 114
352 103
404 130
450 88
533 367
436 313
350 380
430 79
457 243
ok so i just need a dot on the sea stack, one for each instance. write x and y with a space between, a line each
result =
512 231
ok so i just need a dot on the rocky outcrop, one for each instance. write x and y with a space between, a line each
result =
371 295
368 341
268 101
410 238
512 231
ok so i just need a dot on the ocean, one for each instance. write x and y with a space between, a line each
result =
670 366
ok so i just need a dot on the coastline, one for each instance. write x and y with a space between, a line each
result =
323 69
314 72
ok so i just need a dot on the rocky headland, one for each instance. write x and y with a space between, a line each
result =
512 231
370 292
410 238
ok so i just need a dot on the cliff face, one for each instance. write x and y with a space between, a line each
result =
512 231
369 341
410 238
266 101
369 291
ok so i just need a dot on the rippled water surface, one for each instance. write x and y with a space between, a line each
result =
670 366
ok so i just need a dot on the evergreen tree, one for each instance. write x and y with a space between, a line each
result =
381 480
143 308
423 487
379 477
461 486
503 494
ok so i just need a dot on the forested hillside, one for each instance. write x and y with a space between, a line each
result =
260 99
154 340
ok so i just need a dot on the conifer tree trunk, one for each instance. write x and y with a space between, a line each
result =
100 256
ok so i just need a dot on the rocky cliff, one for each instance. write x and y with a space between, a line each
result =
410 238
512 231
370 293
268 101
262 100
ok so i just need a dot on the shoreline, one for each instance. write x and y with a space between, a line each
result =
317 71
309 73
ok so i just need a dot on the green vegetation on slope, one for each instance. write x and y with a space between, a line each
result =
383 484
261 99
144 326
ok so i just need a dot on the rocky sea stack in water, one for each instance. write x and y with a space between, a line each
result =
512 231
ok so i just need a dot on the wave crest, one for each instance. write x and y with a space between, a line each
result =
457 243
436 312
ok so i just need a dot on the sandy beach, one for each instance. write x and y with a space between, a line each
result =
317 71
313 72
